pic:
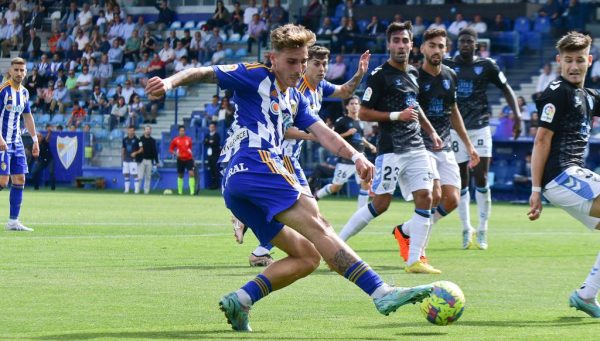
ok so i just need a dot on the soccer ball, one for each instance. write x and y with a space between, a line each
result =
445 304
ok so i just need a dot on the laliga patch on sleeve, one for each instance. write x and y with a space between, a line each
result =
367 94
548 113
228 68
502 77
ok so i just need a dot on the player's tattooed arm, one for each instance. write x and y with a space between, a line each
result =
347 89
204 74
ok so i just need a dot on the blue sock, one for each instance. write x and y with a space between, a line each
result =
482 189
372 209
258 288
441 210
423 213
15 199
361 274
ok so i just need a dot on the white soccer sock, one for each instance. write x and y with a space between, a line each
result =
382 291
484 206
463 209
417 228
363 198
357 222
438 213
431 222
244 298
136 185
260 251
126 185
591 286
323 192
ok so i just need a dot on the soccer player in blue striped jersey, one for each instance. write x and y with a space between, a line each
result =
314 87
259 190
14 102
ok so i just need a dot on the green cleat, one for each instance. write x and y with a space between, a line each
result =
236 313
590 307
401 296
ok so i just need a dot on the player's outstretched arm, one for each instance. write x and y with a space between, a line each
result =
459 126
337 145
347 89
157 87
511 99
541 149
297 134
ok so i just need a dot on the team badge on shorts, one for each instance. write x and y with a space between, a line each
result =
3 166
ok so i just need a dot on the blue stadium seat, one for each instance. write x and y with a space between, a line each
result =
542 25
141 92
242 52
121 79
181 92
362 25
522 25
58 119
100 133
44 119
200 24
29 65
228 53
111 92
190 24
96 120
533 41
129 66
234 38
175 25
116 134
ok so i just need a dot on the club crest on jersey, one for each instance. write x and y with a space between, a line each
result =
577 100
67 150
446 84
478 70
548 113
227 68
294 107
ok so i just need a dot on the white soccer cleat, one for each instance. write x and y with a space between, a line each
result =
482 240
16 225
468 238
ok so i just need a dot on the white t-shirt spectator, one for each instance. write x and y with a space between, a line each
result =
82 41
85 78
127 93
545 79
84 18
456 26
248 13
479 27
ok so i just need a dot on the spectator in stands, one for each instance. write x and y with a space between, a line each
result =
225 117
212 41
52 41
43 68
73 54
93 67
96 100
264 11
219 56
325 31
504 130
35 18
533 124
166 16
249 12
180 51
277 16
72 128
478 24
525 115
69 19
156 67
105 71
349 37
552 10
482 50
118 93
137 111
11 13
55 66
4 27
172 39
337 35
458 24
418 28
141 68
101 22
105 44
128 27
348 9
109 14
522 180
84 18
148 43
376 32
547 76
115 55
237 19
85 83
132 47
64 44
14 37
77 115
186 40
115 30
499 24
197 48
128 91
312 15
141 26
88 52
257 32
220 18
81 39
336 72
44 160
438 23
212 111
118 12
416 57
32 83
212 145
95 8
118 113
45 98
71 85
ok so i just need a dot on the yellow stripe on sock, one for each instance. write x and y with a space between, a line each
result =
355 273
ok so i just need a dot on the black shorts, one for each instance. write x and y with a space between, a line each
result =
183 165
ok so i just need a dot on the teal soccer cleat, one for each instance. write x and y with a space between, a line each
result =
236 313
401 296
590 308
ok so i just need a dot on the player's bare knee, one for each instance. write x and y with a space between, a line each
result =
451 202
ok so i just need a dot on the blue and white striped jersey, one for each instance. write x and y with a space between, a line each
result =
263 112
315 97
13 103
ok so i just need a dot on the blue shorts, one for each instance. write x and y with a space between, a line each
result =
293 166
13 160
257 187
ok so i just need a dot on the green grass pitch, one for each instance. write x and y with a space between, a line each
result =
104 265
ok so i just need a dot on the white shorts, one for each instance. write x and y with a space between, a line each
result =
410 171
445 168
574 190
481 139
130 168
343 172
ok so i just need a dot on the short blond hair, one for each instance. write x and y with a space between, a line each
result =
573 41
291 36
18 61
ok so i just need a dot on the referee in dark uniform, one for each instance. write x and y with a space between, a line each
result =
149 158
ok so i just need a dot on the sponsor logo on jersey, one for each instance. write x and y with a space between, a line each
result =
367 94
478 70
227 68
548 113
446 84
